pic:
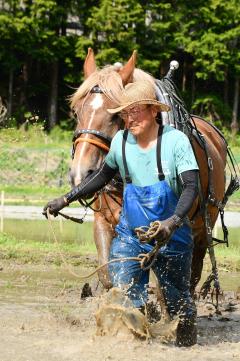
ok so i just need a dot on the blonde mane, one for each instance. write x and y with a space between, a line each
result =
110 83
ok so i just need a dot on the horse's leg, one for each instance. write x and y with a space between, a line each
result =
216 179
103 235
199 252
200 246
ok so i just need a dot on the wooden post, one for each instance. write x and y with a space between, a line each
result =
60 224
215 231
2 210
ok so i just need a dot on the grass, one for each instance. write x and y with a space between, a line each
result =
33 243
32 194
38 252
35 138
39 230
34 165
228 258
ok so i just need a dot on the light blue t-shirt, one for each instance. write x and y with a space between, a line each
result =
176 155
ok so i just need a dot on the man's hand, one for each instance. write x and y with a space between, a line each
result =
168 226
160 231
55 206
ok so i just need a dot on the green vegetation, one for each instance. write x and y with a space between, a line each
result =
76 242
27 245
229 257
49 41
34 165
39 230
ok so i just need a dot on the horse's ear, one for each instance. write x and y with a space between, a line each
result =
89 66
126 72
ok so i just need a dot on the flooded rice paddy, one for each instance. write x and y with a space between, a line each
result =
38 230
43 317
82 235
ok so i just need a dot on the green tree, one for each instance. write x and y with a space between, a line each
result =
111 30
116 28
210 32
37 31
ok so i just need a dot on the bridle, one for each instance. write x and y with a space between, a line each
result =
100 135
103 142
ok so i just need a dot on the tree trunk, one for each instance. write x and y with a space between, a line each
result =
23 99
226 87
52 113
10 93
193 88
234 124
184 78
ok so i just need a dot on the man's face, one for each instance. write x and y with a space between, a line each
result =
139 119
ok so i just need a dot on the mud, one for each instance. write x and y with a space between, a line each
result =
43 317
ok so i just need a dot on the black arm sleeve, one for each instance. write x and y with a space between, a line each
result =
92 183
189 180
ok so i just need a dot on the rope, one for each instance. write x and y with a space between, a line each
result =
143 259
146 234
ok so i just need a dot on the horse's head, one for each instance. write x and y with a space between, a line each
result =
96 127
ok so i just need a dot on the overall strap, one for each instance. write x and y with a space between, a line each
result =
161 175
127 176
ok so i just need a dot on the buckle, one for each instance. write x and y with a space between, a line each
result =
210 163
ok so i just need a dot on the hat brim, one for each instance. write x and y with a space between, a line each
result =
162 107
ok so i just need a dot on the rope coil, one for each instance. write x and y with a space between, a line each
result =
146 234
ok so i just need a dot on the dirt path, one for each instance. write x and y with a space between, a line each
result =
42 317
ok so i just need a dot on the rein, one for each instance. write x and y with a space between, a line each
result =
143 259
86 205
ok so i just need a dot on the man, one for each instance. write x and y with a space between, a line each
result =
160 175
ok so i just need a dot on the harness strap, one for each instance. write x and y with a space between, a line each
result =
161 175
92 141
127 176
211 193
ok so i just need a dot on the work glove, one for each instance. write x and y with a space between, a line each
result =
161 231
55 206
168 227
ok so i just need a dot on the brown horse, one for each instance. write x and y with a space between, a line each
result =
94 131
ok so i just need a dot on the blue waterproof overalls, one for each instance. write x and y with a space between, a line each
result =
141 206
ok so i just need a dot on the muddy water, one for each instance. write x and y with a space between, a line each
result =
20 282
42 317
37 230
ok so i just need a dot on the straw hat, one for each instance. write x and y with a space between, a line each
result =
140 92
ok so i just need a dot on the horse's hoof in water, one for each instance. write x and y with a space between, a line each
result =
86 291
